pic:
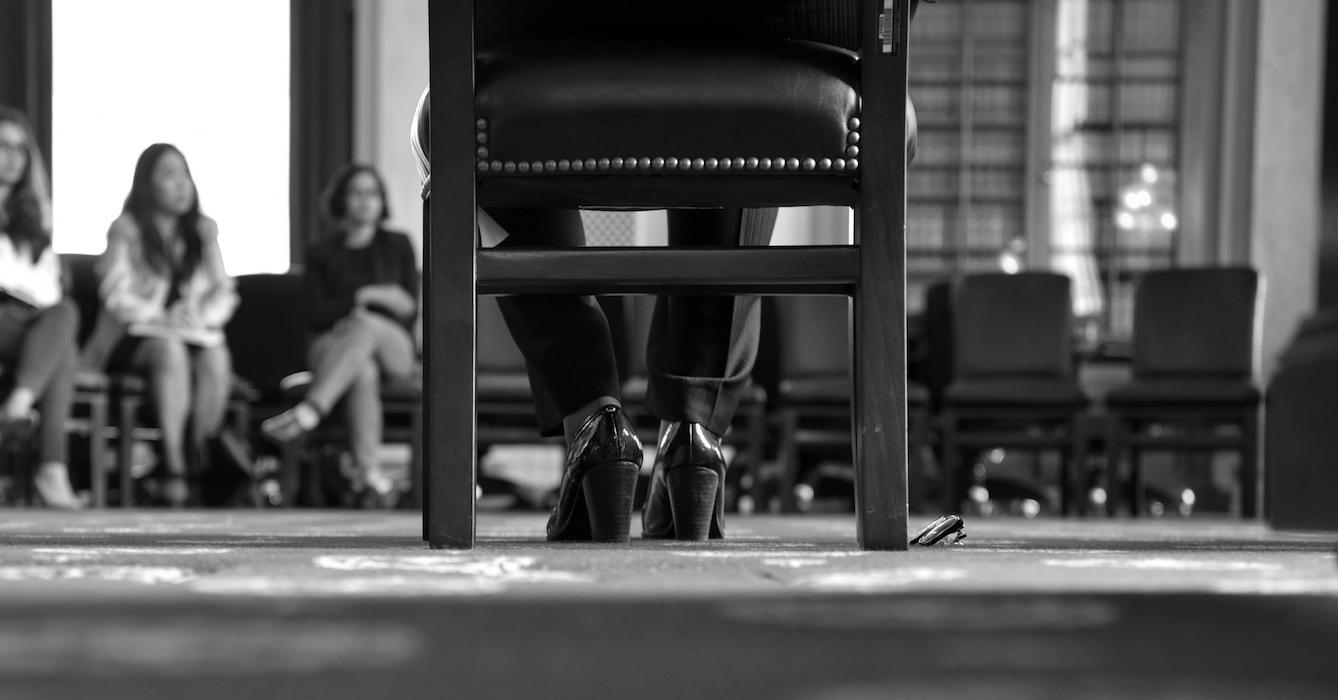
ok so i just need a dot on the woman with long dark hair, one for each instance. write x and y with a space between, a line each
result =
38 324
165 300
362 292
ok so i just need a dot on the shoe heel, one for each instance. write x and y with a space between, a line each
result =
608 491
692 499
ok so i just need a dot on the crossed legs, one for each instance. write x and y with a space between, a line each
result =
348 362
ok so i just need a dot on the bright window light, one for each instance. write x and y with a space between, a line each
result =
210 77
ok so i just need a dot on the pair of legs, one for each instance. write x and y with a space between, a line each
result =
348 362
699 357
701 347
39 349
188 387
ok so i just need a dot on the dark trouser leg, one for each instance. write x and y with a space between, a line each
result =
701 348
565 339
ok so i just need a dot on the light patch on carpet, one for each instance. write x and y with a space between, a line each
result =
67 554
882 580
147 575
353 586
506 569
754 554
211 645
932 615
1325 586
1165 564
794 563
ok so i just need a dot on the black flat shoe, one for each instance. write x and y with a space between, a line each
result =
598 481
686 497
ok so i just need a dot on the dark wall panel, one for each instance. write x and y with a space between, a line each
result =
322 108
25 63
1328 233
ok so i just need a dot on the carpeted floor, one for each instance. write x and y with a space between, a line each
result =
352 604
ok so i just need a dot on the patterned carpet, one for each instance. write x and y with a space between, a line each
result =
352 604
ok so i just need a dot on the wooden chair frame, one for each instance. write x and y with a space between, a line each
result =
871 272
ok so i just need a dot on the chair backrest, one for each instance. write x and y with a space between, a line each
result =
1013 325
814 335
81 284
1196 321
939 358
269 332
834 22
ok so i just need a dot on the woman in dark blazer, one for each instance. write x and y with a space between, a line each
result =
362 299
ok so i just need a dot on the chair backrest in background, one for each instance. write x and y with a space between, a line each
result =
1013 325
1196 321
269 332
814 335
81 284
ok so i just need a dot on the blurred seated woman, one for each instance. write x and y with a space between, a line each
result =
362 291
165 299
37 324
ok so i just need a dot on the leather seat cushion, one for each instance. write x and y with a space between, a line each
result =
1173 392
1021 392
572 114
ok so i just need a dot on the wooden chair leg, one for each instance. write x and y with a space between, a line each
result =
97 448
416 457
789 454
125 442
1072 492
952 464
1249 464
1114 448
1137 500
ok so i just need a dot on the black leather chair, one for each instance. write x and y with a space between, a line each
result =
644 104
1195 344
1299 439
268 336
1013 382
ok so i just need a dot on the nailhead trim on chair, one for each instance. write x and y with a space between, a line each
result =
663 163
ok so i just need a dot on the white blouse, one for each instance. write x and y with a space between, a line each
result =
37 283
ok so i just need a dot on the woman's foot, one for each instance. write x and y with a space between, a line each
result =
292 424
376 491
598 480
686 497
53 485
176 491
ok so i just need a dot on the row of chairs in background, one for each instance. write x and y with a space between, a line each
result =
108 416
997 368
995 364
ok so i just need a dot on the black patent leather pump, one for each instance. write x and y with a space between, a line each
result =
686 499
598 480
